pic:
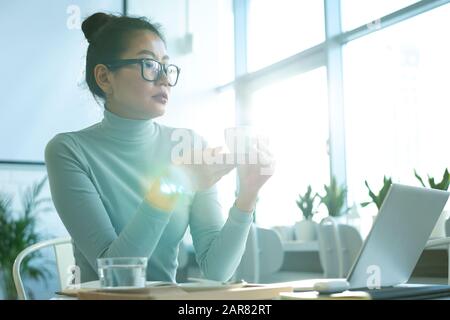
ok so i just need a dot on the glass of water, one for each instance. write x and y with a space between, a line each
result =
122 272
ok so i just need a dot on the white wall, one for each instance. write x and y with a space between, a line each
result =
42 84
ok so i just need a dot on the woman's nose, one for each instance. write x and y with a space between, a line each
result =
163 79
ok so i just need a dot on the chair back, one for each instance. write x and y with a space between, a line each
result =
339 246
65 263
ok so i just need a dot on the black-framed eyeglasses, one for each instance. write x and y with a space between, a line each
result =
151 70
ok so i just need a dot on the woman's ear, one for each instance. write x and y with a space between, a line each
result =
103 78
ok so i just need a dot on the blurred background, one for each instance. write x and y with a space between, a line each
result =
348 91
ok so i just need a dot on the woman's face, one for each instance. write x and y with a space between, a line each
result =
129 94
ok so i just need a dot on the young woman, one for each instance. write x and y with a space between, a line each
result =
106 180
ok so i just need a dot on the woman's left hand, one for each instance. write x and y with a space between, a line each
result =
202 176
253 176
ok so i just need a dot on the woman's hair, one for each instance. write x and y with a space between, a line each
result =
107 35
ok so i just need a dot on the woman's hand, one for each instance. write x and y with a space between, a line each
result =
186 179
203 176
253 176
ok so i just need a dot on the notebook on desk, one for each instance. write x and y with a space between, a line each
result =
394 245
247 292
208 290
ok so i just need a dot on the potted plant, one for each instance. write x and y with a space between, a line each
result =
306 230
443 185
334 199
439 229
17 232
378 198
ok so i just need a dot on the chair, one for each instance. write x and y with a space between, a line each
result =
339 246
286 232
263 255
64 262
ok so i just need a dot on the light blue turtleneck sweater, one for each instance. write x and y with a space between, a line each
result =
98 178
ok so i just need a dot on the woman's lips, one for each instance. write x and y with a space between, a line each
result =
160 98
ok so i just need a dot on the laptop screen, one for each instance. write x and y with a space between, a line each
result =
398 237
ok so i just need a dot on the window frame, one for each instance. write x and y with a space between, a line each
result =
327 53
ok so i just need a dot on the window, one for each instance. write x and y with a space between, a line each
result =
397 99
356 13
211 118
294 115
225 42
282 28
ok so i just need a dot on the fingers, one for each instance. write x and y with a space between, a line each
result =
222 167
204 176
211 168
264 155
218 171
223 172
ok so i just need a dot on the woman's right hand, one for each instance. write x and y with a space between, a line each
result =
186 178
203 176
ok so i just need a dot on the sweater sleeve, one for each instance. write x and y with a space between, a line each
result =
81 209
219 246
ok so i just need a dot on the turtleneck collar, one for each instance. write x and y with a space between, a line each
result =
127 129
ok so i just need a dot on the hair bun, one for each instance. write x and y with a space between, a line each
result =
93 23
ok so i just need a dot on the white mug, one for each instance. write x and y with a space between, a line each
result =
242 142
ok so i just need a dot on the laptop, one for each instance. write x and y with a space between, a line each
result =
393 247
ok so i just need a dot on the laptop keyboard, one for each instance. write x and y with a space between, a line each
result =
405 292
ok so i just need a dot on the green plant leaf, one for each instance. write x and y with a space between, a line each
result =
419 178
334 198
378 199
18 231
442 185
306 203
